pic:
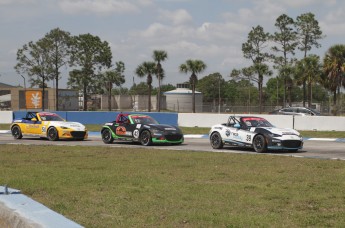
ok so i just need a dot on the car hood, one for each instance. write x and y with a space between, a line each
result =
73 125
279 131
164 127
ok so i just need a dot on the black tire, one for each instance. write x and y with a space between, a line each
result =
16 132
259 144
107 136
52 134
216 141
145 138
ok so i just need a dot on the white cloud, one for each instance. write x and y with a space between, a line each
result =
303 3
99 6
177 17
13 2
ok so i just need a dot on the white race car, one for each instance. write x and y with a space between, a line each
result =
254 132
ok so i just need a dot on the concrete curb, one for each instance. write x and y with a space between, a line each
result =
18 210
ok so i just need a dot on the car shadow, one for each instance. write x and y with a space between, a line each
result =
248 149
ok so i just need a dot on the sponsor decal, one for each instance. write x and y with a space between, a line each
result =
138 126
227 132
170 129
108 124
33 126
136 133
120 130
47 114
236 136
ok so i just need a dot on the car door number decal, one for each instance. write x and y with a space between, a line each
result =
136 133
249 138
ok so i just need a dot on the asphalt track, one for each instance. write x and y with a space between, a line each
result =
315 148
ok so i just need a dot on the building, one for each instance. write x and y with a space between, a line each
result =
18 98
181 99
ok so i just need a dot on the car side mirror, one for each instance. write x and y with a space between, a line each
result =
34 119
237 125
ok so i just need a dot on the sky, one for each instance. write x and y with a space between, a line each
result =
209 30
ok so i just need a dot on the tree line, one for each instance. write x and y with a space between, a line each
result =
94 73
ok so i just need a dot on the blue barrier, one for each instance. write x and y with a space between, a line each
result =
103 117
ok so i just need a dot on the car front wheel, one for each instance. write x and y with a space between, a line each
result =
259 144
16 132
145 138
107 137
216 141
53 134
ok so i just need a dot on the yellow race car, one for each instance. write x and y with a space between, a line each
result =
47 125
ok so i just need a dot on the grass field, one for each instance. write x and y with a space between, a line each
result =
141 187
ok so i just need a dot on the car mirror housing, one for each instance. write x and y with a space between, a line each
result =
237 125
34 119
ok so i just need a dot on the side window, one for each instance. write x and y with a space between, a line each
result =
231 123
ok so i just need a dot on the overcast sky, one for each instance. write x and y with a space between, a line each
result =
210 30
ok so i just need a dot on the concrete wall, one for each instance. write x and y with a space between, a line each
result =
103 117
6 117
319 123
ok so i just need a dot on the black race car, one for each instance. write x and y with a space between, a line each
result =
140 128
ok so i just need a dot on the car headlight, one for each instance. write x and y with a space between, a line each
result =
274 135
156 132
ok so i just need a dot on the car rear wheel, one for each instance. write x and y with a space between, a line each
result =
107 137
52 134
16 132
216 141
145 138
259 144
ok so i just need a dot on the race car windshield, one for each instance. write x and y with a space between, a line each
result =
144 120
256 122
51 118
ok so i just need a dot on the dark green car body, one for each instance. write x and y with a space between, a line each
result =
140 128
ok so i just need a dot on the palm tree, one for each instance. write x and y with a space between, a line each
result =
111 77
308 70
159 56
195 67
334 68
147 68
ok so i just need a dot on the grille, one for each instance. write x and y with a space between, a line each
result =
291 143
78 134
173 137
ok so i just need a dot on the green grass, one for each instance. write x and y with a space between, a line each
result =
137 187
205 130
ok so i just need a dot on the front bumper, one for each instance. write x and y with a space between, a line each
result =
279 144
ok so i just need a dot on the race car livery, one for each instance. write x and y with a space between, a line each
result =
140 128
47 125
254 132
